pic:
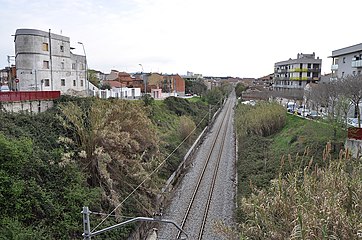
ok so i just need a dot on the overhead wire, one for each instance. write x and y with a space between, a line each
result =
149 175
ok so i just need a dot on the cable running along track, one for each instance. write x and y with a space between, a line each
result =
211 165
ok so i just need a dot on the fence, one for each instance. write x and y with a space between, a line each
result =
28 96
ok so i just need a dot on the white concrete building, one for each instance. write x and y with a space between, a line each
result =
44 62
297 73
346 61
119 93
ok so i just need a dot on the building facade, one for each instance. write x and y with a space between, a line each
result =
297 73
346 61
44 62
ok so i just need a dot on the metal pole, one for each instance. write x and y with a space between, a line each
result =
86 224
86 67
9 75
36 81
144 80
51 60
174 87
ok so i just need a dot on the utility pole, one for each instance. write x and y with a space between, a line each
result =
86 224
144 80
86 68
51 60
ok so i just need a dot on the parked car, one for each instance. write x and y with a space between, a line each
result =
353 122
305 112
4 88
313 114
291 107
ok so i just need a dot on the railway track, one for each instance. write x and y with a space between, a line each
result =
211 164
206 192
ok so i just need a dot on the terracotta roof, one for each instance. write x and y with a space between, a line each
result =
114 84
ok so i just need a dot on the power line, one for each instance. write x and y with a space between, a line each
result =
149 175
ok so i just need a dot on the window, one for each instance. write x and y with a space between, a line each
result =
309 65
73 66
74 83
308 74
46 83
45 47
62 82
61 48
344 60
46 64
62 65
81 83
354 72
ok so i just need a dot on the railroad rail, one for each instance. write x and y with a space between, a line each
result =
211 164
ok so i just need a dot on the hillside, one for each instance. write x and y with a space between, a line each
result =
89 152
296 182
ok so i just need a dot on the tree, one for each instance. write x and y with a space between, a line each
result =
214 96
92 77
239 89
195 87
118 145
352 89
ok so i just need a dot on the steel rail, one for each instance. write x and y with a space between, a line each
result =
202 175
211 191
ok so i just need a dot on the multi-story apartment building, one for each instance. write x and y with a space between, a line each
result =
346 61
297 73
44 62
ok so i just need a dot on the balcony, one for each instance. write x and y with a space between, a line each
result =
281 78
357 63
334 67
299 70
281 70
314 69
299 78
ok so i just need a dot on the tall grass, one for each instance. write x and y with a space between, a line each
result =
308 203
263 119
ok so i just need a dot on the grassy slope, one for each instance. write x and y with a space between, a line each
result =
260 157
307 203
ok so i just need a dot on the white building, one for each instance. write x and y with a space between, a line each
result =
119 93
297 73
44 62
346 61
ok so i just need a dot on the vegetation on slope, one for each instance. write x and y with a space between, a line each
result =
89 152
312 196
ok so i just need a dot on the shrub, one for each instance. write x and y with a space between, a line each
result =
186 127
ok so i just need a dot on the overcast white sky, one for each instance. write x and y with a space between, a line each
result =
240 38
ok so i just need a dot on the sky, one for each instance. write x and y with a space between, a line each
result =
238 38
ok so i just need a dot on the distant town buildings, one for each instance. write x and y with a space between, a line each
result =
190 76
44 62
297 73
346 61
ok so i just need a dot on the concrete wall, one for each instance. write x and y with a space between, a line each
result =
26 106
345 66
354 146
